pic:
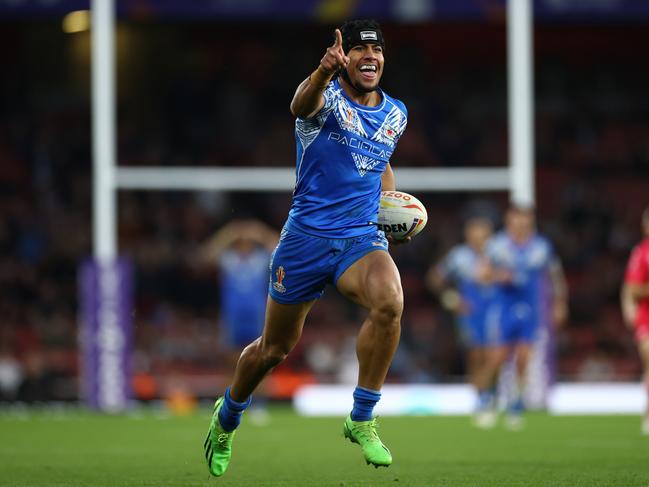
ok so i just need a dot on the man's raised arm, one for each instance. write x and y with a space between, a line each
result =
308 99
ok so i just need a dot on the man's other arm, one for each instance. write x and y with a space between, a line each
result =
388 182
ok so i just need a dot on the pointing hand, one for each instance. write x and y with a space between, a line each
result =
335 59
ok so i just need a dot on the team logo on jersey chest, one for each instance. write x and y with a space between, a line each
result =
348 118
391 128
389 133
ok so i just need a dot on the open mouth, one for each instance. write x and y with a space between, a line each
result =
368 71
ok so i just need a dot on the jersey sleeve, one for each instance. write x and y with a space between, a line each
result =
307 129
227 261
329 96
637 270
494 252
402 120
448 266
550 255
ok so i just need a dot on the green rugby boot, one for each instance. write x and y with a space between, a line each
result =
364 434
218 444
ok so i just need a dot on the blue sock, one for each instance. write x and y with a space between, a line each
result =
231 411
364 402
517 406
485 399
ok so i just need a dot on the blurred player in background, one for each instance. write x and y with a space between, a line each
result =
460 281
241 250
635 304
521 262
346 130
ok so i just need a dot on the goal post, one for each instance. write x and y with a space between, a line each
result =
103 129
105 282
520 101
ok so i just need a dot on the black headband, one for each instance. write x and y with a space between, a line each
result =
356 35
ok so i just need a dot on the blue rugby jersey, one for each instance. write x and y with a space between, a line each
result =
244 287
461 266
342 152
528 263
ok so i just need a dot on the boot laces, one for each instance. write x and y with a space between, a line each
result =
367 429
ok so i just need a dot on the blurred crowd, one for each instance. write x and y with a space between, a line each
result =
215 94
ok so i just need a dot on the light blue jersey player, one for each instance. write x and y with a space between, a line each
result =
471 297
244 287
346 130
241 250
524 269
475 307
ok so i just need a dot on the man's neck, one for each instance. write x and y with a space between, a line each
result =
371 99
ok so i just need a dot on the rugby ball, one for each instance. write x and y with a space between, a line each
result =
401 215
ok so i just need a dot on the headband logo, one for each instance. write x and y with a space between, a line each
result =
369 35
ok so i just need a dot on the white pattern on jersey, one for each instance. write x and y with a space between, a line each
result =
392 127
364 163
307 129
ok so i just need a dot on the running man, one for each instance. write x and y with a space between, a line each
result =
460 281
522 261
635 305
346 129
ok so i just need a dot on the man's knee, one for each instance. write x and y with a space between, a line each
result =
274 354
497 357
387 304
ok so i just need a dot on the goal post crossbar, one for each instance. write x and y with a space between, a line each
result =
283 178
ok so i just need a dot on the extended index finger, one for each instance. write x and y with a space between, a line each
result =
339 39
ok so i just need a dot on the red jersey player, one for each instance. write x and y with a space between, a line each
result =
635 304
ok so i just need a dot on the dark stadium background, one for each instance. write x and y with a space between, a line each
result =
215 91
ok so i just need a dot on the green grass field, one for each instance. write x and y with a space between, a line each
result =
87 450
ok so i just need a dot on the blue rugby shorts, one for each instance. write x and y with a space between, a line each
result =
302 265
